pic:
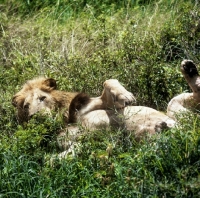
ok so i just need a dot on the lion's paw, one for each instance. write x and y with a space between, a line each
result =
191 75
188 67
118 94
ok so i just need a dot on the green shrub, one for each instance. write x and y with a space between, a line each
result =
81 44
38 134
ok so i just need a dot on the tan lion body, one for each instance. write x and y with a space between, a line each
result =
139 119
108 110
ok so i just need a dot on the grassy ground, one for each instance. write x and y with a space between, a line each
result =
81 44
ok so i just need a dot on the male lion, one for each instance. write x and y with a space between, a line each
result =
40 94
186 101
109 109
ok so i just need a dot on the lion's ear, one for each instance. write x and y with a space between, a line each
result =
17 101
14 102
50 82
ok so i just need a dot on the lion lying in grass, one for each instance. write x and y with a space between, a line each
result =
111 109
186 101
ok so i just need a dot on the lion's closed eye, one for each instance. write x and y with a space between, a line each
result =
42 98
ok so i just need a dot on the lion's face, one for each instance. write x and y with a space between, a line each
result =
33 98
36 101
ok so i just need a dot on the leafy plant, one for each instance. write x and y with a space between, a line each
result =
81 44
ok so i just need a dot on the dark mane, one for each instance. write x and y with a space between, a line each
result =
76 104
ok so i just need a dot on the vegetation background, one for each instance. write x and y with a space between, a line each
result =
81 44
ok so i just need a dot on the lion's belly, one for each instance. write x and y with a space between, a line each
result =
97 119
144 119
132 118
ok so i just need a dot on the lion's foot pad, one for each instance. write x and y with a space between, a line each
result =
189 68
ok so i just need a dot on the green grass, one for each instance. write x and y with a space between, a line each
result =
139 43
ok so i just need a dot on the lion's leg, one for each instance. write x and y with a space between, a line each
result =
180 103
115 95
191 75
67 141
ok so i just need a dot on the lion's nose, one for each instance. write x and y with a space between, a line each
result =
26 106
